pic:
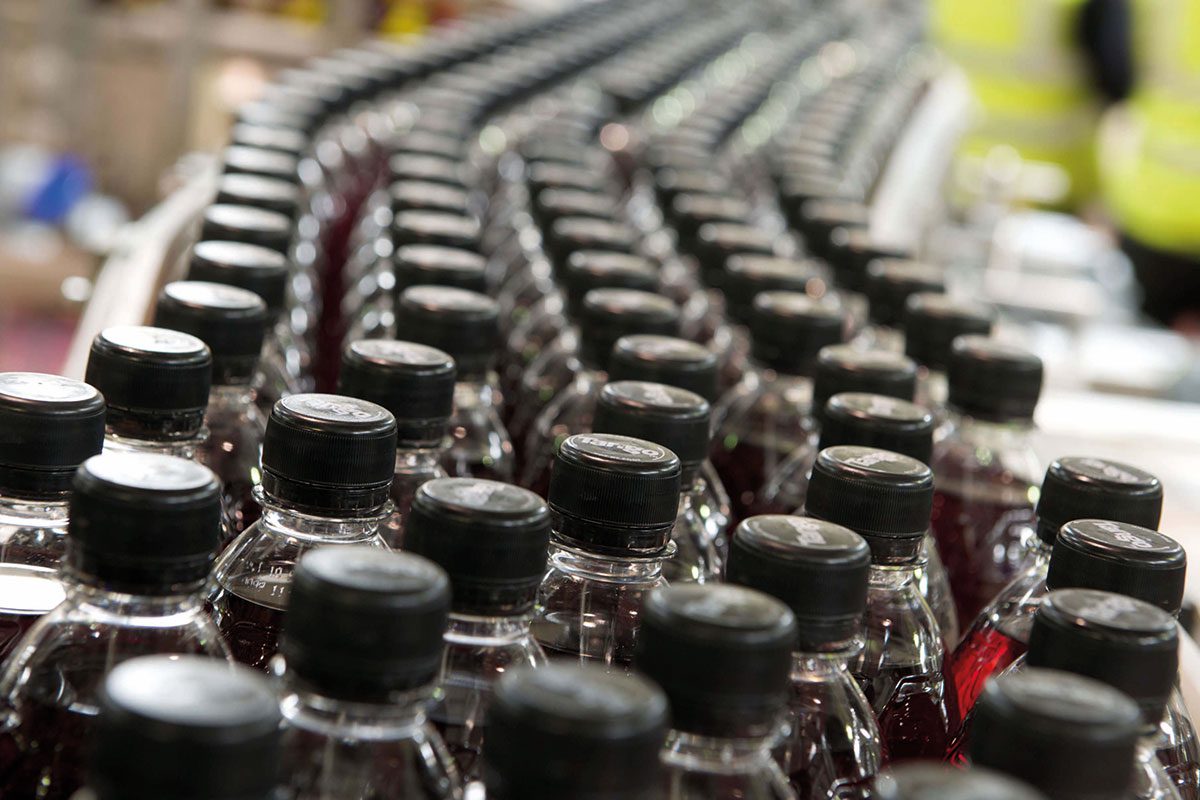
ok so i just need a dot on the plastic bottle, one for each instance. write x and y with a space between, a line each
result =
327 466
491 538
890 282
613 501
932 782
885 497
358 666
416 384
143 535
931 324
832 748
722 655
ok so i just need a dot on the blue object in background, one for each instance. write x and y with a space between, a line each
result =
66 182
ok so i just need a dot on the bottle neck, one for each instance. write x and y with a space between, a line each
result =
827 662
105 605
30 512
285 520
181 447
694 752
610 568
304 707
475 391
230 396
894 576
419 458
482 631
992 434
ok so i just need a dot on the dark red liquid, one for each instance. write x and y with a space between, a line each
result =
458 465
403 490
744 469
464 742
26 593
820 756
249 619
983 652
911 707
44 757
231 451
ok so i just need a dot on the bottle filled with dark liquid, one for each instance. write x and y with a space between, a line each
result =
986 469
722 655
184 727
143 534
613 501
361 648
884 497
935 782
415 383
932 322
491 538
327 467
232 322
832 748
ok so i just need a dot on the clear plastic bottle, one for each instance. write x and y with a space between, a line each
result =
890 282
415 383
832 747
574 731
931 324
769 414
184 727
1068 736
722 654
986 468
613 502
935 782
491 538
155 384
232 322
463 324
357 672
885 497
143 535
327 465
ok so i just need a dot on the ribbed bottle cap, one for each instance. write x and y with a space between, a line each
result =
247 224
675 418
851 251
363 623
718 242
843 368
1129 645
1119 557
688 213
721 653
49 425
143 523
435 227
461 322
243 160
1065 735
817 568
748 275
569 235
672 182
551 175
152 374
891 281
255 190
246 266
1093 488
490 537
993 380
933 321
940 782
329 452
184 727
574 731
280 138
665 359
554 204
436 265
231 321
876 420
427 168
819 217
597 269
883 496
414 195
609 314
614 493
412 381
789 329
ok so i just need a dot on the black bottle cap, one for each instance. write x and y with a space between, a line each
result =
665 359
609 314
414 382
883 496
569 235
876 420
993 380
746 276
435 227
721 653
939 782
688 213
246 266
933 321
242 160
415 195
151 376
818 218
490 537
789 329
550 175
427 168
674 181
329 453
597 269
574 731
817 568
843 368
282 139
675 418
1063 734
1123 642
231 321
247 224
49 425
615 494
891 281
436 265
554 204
461 322
851 251
718 242
1093 488
1119 557
271 194
184 727
143 523
363 624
